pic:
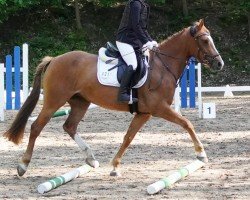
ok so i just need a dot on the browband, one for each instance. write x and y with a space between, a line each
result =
193 30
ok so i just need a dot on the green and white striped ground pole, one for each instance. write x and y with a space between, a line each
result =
61 113
60 180
56 114
173 178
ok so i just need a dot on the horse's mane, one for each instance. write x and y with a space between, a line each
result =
173 36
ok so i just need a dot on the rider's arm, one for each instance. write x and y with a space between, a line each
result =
148 36
135 16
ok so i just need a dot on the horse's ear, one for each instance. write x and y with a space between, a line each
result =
201 24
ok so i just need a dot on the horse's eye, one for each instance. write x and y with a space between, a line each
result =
206 41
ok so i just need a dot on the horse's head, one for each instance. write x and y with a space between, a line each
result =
204 49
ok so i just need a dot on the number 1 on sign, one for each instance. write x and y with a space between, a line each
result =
209 110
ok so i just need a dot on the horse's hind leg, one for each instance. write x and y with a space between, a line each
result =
79 107
36 129
138 121
171 115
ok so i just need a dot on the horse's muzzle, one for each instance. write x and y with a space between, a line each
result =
217 64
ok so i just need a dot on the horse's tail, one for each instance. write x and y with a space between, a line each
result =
16 130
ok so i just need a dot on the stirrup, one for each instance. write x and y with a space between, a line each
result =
127 100
131 99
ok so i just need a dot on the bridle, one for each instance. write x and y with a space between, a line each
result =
205 57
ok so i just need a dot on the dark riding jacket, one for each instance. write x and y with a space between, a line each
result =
134 24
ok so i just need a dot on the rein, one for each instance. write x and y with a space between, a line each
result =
166 66
151 64
157 52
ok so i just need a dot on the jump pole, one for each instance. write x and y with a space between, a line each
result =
61 113
67 111
56 114
60 180
173 178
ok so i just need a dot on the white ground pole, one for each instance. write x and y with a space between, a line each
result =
224 88
174 177
177 103
199 90
2 92
25 71
60 180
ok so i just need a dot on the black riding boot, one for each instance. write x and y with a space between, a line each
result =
123 95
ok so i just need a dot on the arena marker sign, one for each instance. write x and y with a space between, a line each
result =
209 110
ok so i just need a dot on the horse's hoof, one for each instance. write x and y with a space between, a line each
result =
203 159
115 173
21 169
92 163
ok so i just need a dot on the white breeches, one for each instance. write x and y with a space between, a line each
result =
127 53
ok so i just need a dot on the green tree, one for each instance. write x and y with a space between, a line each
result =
12 7
239 10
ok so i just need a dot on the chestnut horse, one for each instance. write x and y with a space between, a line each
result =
72 78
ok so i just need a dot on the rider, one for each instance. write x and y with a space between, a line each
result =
132 37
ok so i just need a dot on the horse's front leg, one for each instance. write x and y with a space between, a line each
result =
171 115
138 121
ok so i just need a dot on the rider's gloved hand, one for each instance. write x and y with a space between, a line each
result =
148 45
154 43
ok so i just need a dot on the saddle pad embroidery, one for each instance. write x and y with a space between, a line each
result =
109 78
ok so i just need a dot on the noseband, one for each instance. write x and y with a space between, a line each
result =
205 57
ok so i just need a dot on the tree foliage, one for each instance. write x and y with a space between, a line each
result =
13 7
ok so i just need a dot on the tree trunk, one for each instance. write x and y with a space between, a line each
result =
248 17
78 17
177 4
184 8
203 3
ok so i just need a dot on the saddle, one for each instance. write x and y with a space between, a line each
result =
110 61
112 50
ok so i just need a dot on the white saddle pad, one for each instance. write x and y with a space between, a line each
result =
109 78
